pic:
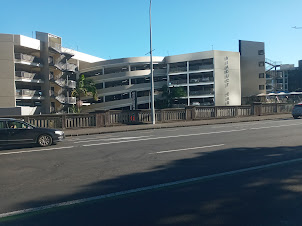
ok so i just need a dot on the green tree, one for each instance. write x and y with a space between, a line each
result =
85 87
169 94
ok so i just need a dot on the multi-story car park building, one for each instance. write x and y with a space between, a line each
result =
37 75
208 78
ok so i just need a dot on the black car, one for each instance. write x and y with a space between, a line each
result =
13 131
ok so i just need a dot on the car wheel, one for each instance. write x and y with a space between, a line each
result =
44 140
295 116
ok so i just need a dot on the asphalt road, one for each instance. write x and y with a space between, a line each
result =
232 174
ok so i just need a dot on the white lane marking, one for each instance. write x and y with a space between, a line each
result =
148 188
117 138
246 124
21 152
185 149
88 138
156 138
187 135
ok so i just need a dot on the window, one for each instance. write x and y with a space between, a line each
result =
117 97
99 85
261 87
140 67
116 83
261 64
178 67
196 65
2 125
17 125
260 52
160 78
261 75
116 69
159 66
140 80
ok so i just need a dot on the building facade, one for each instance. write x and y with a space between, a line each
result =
37 75
207 78
252 66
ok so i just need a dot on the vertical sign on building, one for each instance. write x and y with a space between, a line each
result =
226 81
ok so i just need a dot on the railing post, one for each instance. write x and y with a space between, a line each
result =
257 109
189 113
26 119
162 115
193 113
107 118
63 121
215 112
99 119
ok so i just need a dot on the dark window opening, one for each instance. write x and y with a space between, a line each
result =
140 80
117 83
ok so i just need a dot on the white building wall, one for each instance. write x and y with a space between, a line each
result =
7 71
27 42
227 78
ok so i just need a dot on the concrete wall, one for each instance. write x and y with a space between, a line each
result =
10 111
27 42
7 71
250 68
227 78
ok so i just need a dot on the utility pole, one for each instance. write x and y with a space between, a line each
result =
151 69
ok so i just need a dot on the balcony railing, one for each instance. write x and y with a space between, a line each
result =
71 84
28 93
178 82
177 69
71 67
202 92
66 100
63 83
62 66
55 46
199 80
27 58
26 75
201 67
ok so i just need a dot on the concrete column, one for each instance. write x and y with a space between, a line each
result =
188 82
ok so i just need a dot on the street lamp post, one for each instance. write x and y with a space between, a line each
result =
151 69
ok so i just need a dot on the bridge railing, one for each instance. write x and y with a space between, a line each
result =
119 117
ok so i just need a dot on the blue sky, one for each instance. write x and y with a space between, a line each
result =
120 28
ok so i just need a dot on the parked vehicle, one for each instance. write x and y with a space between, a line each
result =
13 131
195 104
297 110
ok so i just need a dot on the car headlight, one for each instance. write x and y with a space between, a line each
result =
59 132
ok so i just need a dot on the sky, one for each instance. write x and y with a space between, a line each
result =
112 29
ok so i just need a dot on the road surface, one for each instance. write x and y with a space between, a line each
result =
232 174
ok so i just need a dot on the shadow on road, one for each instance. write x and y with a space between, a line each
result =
264 197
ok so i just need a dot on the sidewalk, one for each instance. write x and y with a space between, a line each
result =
124 128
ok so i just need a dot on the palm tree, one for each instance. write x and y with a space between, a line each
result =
85 87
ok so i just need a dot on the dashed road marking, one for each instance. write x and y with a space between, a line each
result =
185 149
39 150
